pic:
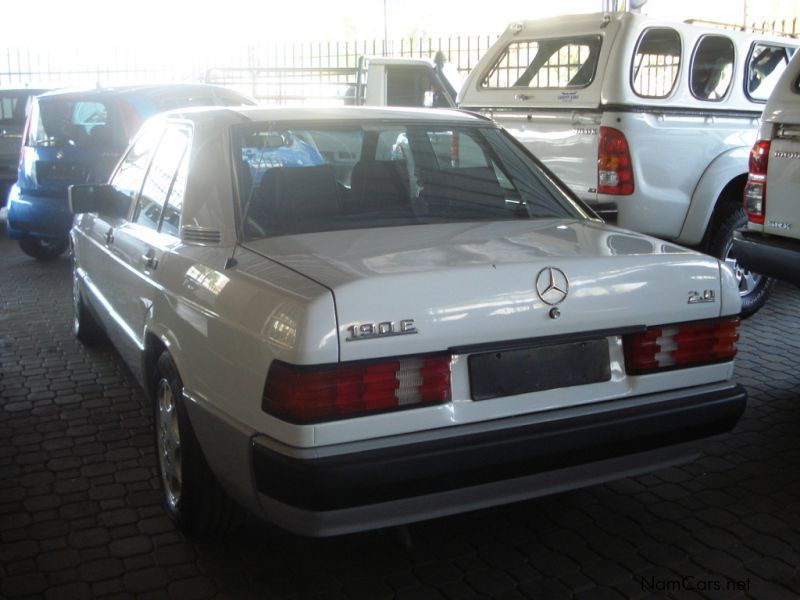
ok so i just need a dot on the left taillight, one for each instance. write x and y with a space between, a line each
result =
614 166
755 190
679 346
306 394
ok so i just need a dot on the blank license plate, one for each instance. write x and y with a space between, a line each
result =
510 372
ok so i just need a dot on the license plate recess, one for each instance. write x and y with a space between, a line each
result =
539 368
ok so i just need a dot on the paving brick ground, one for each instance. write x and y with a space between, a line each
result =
80 514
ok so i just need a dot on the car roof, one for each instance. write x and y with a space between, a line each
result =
335 113
146 90
34 91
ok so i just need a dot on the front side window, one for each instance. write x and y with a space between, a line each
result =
656 62
764 67
161 174
300 180
546 64
712 68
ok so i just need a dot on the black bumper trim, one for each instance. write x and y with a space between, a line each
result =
768 255
405 471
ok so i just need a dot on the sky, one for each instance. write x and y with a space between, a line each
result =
184 23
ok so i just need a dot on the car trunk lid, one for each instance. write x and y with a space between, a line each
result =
460 284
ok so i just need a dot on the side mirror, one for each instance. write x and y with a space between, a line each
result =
99 198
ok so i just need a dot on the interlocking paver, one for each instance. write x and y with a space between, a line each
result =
81 515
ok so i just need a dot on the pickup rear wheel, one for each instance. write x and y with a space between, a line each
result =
43 249
192 496
754 289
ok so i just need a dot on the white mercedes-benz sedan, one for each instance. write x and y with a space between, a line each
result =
354 318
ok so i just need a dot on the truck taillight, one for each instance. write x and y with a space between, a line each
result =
755 191
307 394
686 345
614 167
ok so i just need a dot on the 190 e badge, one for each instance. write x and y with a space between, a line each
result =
367 331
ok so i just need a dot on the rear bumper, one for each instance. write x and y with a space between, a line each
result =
38 216
407 482
768 255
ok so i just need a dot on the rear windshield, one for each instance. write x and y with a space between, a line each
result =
546 64
12 107
300 180
68 121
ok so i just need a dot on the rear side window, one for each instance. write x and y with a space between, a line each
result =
656 63
764 67
546 64
712 68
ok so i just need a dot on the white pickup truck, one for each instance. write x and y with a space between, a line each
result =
375 81
771 241
666 111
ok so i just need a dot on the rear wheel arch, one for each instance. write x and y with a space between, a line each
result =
193 497
721 182
728 200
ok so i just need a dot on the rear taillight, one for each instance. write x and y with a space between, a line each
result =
303 394
755 191
614 167
687 345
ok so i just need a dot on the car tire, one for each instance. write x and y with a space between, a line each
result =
754 289
84 324
193 497
43 248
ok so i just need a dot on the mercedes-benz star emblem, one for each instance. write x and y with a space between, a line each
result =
552 285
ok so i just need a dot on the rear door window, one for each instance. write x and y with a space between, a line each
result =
160 176
712 68
656 62
130 174
764 67
546 64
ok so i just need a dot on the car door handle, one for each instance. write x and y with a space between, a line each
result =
110 236
149 259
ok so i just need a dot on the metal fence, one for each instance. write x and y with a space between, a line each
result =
107 66
110 66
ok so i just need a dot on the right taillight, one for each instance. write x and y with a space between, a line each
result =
614 167
307 394
686 345
755 191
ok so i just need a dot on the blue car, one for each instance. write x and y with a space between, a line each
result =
78 136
